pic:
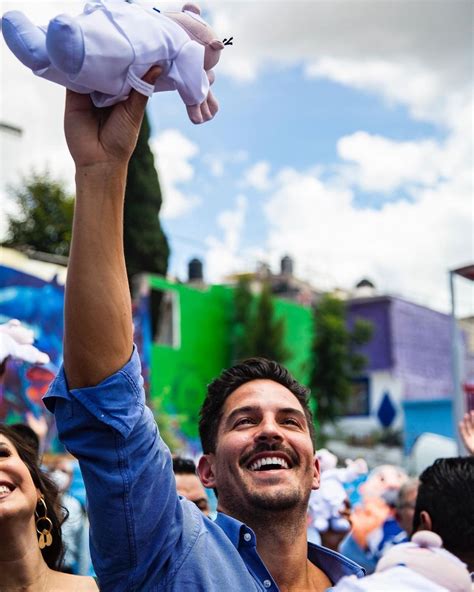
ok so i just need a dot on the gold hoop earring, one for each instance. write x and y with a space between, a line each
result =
43 526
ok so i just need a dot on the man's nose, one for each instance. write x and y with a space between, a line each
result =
269 430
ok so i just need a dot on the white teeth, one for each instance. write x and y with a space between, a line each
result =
268 460
4 489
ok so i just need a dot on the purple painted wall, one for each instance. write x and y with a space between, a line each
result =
421 340
411 341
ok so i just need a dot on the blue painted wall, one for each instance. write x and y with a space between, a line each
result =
435 416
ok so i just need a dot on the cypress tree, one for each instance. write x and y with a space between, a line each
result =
146 247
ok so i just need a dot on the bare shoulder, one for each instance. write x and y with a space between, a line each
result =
61 582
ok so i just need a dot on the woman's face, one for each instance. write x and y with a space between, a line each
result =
18 494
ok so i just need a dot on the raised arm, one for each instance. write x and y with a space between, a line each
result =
98 321
136 521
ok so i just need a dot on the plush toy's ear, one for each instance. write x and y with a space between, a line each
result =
191 8
216 44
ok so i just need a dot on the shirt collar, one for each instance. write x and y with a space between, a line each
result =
334 565
232 528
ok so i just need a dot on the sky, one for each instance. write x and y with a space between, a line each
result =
344 139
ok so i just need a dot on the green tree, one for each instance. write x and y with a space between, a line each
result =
44 217
146 247
259 332
335 359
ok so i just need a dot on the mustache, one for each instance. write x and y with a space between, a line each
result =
266 447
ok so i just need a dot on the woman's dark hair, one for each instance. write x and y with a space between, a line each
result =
53 554
230 380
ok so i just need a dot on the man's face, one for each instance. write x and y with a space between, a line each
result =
190 487
264 458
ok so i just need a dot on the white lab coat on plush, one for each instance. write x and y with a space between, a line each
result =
122 41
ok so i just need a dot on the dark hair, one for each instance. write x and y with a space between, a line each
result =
28 435
53 554
446 492
183 466
229 380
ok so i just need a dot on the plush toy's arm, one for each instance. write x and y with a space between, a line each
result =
192 82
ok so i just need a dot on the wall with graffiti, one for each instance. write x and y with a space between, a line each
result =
32 291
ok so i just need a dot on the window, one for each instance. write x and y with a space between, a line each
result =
165 318
358 403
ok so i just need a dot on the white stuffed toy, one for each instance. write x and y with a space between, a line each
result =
419 566
16 341
326 503
106 50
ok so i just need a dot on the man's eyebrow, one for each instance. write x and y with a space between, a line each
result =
253 410
239 411
292 411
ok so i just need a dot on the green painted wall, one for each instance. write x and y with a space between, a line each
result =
179 376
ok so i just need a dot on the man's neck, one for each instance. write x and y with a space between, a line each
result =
283 547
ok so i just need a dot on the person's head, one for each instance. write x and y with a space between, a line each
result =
61 472
28 435
445 504
405 505
257 435
188 484
24 485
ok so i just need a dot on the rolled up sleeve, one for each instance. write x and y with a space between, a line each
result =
134 512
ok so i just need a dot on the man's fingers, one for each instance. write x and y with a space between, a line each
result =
152 75
77 102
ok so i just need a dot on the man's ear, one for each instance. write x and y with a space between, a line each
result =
425 521
316 473
205 471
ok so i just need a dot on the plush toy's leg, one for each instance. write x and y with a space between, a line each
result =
26 40
194 113
65 44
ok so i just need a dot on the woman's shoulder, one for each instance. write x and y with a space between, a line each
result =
62 582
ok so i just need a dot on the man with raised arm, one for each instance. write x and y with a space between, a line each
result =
256 428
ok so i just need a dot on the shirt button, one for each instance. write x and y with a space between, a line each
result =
247 537
267 583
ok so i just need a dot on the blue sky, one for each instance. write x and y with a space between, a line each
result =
344 138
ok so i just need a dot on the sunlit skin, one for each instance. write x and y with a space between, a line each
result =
261 416
22 564
189 486
20 502
263 419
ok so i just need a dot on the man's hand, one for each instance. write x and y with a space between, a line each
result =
98 332
107 135
466 429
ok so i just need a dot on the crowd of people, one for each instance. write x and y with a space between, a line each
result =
150 527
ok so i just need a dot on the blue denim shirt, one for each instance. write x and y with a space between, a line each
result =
143 536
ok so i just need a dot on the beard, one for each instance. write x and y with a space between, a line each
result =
278 501
263 501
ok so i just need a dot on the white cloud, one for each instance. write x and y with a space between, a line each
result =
417 53
217 163
433 36
405 247
384 165
173 155
224 254
257 176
